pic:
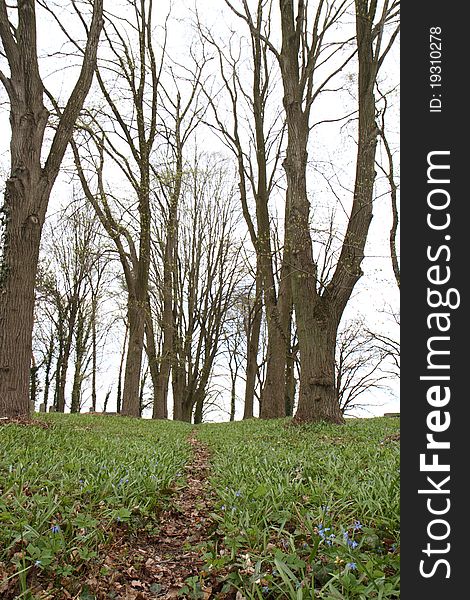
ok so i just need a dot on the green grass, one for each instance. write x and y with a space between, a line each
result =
301 512
65 490
307 512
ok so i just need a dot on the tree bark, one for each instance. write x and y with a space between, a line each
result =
47 373
252 335
131 393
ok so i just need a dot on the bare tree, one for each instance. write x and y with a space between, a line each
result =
29 186
258 154
181 113
209 271
360 365
389 172
125 133
70 290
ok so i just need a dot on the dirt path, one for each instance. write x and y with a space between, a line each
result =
157 566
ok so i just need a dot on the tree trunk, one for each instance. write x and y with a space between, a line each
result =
177 381
73 308
34 381
233 398
131 392
94 350
253 334
273 393
121 365
160 376
198 406
47 373
318 398
18 267
78 375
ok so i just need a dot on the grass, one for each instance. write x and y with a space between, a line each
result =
307 512
67 489
301 512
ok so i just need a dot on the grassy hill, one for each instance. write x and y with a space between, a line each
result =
105 507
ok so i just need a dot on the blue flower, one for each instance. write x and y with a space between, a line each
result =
238 493
351 565
352 544
357 525
55 529
265 589
322 530
325 508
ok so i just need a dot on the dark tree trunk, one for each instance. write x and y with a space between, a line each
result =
160 381
130 398
121 366
67 346
94 350
47 373
18 265
233 398
34 382
318 396
253 333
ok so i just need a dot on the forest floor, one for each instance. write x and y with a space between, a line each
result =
92 510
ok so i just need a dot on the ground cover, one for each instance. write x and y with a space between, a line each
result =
105 507
306 512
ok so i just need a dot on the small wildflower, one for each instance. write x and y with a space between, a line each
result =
325 508
357 525
339 561
37 563
351 565
353 544
55 528
265 589
322 530
222 507
238 493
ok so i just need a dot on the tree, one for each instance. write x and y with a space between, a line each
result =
318 311
125 133
209 271
181 113
29 187
360 364
257 152
70 288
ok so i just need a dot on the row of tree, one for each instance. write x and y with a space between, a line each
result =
189 238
